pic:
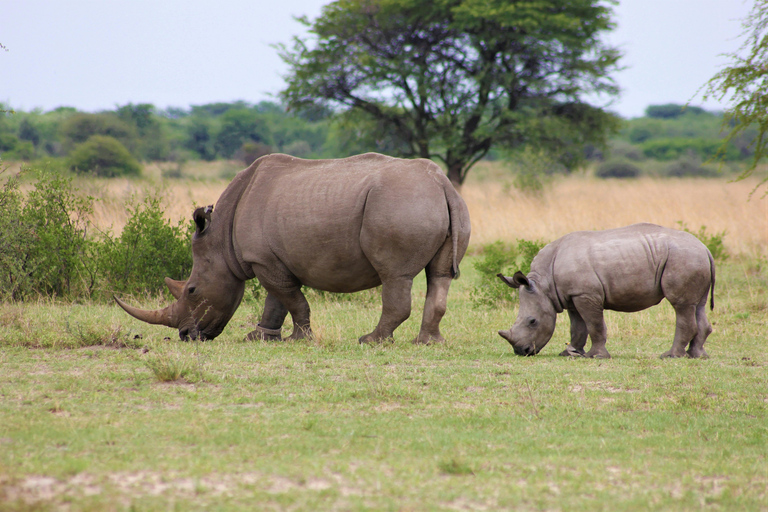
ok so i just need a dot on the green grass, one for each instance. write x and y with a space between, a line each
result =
90 420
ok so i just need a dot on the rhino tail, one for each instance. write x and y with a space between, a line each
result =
458 218
712 284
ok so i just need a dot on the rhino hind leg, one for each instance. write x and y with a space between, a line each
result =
395 309
686 330
579 335
435 307
704 329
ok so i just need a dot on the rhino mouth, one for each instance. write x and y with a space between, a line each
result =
193 334
527 350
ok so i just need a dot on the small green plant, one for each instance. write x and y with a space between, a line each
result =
167 368
455 467
500 258
533 169
103 156
714 241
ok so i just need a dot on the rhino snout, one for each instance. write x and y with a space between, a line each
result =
519 350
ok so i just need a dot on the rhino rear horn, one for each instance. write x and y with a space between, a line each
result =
166 316
175 287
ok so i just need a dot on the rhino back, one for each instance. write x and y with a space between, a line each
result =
628 268
328 221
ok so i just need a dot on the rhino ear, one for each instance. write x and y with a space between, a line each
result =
516 281
202 218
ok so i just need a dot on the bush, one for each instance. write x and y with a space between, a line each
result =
674 148
79 127
149 249
533 169
500 258
672 111
714 241
617 169
45 250
103 156
16 237
250 151
689 167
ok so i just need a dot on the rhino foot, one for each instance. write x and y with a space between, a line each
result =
264 334
673 353
697 353
427 339
571 351
370 339
600 353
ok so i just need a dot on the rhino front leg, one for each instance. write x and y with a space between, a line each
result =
579 335
290 299
685 330
591 311
395 309
271 322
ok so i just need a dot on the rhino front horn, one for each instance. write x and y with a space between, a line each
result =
166 316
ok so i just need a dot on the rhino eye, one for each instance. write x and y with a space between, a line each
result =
532 322
191 290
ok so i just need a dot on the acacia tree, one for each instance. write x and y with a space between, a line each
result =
449 79
745 84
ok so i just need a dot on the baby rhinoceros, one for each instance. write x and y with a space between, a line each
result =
624 269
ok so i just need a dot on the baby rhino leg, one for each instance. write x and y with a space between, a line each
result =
578 336
591 311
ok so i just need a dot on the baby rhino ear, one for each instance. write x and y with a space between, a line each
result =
516 281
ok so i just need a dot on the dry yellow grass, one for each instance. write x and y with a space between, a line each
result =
501 212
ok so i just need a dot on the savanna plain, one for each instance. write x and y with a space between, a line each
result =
101 412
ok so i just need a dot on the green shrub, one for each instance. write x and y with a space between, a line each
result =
500 258
103 156
24 150
16 238
149 249
78 127
250 151
714 241
44 248
689 167
8 142
617 169
673 148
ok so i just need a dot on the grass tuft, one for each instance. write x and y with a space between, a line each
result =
455 467
169 368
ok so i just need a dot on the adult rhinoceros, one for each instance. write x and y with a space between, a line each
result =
625 269
336 225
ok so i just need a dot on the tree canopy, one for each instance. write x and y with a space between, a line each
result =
450 79
744 84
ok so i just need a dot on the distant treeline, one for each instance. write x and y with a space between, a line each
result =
90 142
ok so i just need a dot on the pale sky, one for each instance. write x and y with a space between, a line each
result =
98 54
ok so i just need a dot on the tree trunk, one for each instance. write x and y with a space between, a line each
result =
454 174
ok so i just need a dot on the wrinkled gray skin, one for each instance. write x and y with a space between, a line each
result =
625 269
336 225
